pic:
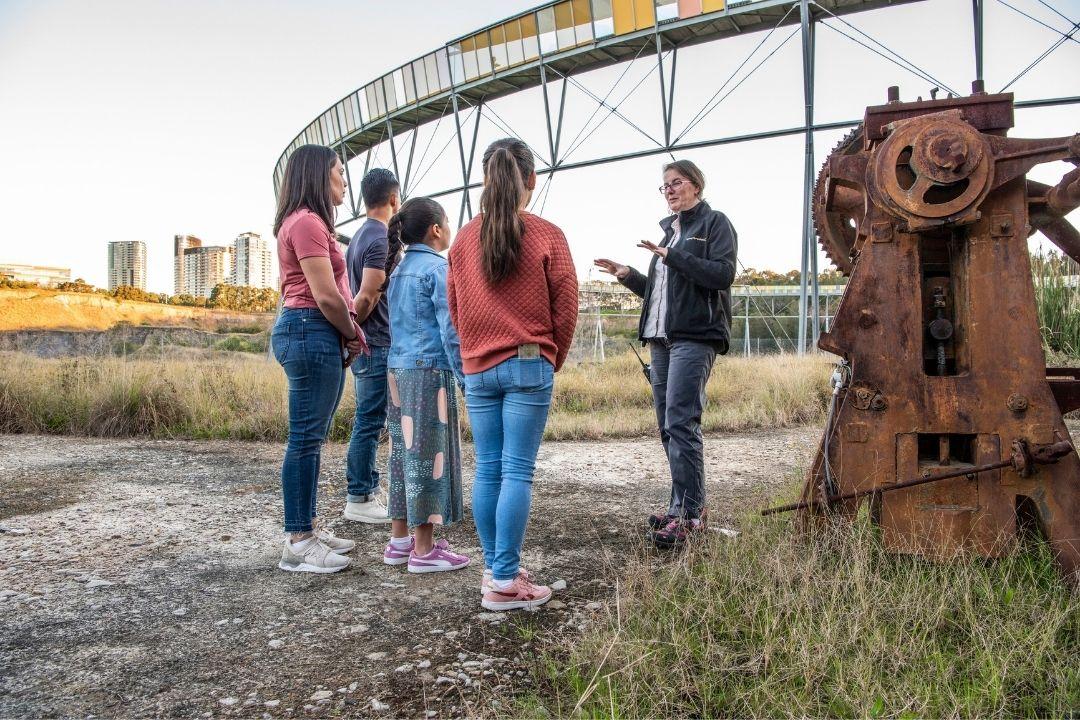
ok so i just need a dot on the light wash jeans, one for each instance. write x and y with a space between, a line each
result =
508 408
369 376
308 347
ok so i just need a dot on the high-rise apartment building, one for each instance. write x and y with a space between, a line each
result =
254 263
40 274
180 244
205 268
127 264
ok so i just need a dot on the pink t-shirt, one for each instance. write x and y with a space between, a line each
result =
303 234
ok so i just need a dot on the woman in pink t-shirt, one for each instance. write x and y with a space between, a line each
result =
315 338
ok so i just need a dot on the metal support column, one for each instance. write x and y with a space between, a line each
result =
465 202
408 165
977 17
348 178
746 320
393 149
472 154
663 90
808 174
562 107
547 114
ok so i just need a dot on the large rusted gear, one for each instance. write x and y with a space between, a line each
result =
835 231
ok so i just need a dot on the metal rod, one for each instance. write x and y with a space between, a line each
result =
461 152
977 17
393 150
547 113
804 264
889 488
408 165
472 155
671 91
558 129
811 244
348 177
663 90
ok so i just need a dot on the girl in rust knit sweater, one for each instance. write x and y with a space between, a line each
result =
512 290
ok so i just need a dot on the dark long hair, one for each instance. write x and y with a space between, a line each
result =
410 225
307 185
508 163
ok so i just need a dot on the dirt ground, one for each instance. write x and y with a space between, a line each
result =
138 578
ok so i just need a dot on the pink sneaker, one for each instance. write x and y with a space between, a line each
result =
440 559
392 556
522 594
485 581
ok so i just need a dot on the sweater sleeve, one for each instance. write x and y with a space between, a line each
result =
715 271
563 292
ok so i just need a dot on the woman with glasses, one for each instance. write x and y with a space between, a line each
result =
685 321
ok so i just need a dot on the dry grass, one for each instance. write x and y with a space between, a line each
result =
35 309
234 396
773 625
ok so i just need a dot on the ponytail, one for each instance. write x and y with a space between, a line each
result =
410 224
508 163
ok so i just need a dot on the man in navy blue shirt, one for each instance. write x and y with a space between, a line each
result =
366 260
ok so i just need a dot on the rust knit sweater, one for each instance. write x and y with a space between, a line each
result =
537 304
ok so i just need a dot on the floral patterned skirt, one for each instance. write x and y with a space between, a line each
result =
425 447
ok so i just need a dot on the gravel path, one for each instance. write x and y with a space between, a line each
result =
139 578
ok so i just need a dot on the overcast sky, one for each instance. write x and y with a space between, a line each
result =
140 119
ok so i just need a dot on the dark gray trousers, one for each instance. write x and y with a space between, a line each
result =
680 371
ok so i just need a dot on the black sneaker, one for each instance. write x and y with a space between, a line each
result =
677 531
659 519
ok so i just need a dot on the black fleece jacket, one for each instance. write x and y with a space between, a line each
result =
701 268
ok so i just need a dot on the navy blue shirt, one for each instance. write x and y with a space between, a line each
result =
368 249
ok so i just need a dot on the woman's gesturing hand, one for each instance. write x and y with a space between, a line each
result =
653 248
612 268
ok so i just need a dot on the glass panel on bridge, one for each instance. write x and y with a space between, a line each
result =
712 5
442 60
398 84
419 74
514 54
375 110
644 14
457 64
564 25
689 8
582 21
409 83
666 10
530 43
499 58
545 19
483 53
603 23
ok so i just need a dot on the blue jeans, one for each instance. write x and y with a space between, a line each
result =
309 349
369 378
508 408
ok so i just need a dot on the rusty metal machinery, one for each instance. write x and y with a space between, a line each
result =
944 415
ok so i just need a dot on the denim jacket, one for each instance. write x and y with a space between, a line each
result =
421 333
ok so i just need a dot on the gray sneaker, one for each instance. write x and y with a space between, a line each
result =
311 556
373 511
330 540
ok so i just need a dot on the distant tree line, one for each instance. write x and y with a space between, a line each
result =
222 297
750 276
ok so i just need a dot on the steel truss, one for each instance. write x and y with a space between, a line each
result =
467 106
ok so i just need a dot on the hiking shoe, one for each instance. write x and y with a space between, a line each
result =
521 595
312 556
373 511
659 519
677 532
485 582
393 556
329 539
440 559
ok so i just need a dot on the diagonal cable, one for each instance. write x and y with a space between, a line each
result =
736 87
1057 12
1038 21
427 147
694 120
615 109
608 116
505 127
1036 61
609 92
912 69
910 65
441 152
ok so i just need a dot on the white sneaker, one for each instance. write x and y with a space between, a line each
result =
330 540
373 511
311 556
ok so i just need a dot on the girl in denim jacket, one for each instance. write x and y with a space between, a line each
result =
424 370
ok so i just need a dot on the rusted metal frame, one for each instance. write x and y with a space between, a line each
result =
888 488
809 247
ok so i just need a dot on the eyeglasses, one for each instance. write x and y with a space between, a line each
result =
673 185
